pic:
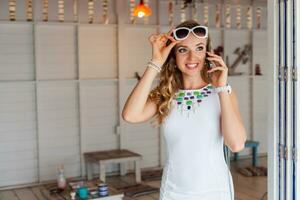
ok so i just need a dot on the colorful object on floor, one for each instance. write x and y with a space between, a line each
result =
61 179
250 144
83 192
103 189
142 10
189 100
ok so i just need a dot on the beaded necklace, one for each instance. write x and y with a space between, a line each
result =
188 100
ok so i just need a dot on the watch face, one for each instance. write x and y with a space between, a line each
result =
229 89
223 88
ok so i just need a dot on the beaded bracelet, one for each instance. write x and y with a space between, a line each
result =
154 66
158 70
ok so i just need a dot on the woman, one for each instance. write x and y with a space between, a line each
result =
196 109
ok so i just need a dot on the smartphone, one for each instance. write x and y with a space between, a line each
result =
209 49
208 63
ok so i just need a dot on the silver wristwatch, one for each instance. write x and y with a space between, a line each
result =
225 88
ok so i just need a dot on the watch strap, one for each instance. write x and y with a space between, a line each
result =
224 88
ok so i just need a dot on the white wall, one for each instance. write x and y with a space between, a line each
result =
63 86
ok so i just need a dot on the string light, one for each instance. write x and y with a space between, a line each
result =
142 10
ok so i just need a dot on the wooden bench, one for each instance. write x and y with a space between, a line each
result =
250 144
111 156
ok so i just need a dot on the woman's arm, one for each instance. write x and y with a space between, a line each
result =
232 127
137 108
231 123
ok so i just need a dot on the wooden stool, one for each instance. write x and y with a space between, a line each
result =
111 156
250 144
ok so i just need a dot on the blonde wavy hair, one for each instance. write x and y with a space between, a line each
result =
171 80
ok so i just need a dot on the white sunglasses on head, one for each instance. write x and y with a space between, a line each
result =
182 33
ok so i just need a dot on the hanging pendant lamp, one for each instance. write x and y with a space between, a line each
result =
142 10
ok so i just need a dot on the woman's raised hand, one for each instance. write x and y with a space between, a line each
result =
160 51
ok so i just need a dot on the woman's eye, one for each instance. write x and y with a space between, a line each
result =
199 48
182 50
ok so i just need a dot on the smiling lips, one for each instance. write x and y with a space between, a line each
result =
191 65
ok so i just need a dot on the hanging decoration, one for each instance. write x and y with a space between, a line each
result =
258 70
205 12
91 11
142 10
243 56
258 18
12 10
194 10
238 17
182 11
228 16
45 10
29 10
132 6
146 18
61 11
75 16
171 12
249 17
218 15
105 12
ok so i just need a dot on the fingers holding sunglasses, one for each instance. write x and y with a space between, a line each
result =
153 38
160 50
159 37
171 38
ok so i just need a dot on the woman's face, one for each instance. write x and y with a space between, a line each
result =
190 55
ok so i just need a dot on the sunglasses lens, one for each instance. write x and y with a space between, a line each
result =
181 33
200 31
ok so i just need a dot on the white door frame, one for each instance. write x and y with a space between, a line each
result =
273 149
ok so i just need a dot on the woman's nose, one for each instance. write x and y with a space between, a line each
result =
191 55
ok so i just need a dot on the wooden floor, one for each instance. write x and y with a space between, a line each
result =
246 188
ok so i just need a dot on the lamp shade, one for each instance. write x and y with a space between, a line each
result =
142 10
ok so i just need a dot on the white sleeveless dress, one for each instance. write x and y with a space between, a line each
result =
195 166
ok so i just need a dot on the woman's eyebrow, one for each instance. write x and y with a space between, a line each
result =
187 46
199 44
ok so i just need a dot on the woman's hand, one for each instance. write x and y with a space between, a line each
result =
160 51
219 71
